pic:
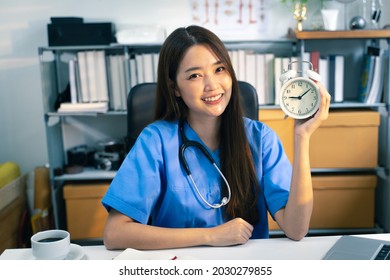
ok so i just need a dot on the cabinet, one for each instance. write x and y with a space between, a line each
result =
67 130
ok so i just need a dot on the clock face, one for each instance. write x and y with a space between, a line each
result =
299 98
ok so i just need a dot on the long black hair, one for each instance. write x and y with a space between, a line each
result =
235 154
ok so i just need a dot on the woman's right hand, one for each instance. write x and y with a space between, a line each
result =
233 232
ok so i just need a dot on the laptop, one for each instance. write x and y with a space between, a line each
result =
359 248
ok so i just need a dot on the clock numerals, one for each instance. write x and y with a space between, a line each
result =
299 98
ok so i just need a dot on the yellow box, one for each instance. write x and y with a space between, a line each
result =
272 225
284 128
85 214
347 139
341 201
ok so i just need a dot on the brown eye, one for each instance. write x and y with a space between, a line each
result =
220 69
193 76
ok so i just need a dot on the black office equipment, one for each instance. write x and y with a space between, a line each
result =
72 31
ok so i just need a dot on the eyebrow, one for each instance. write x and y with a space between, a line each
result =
197 67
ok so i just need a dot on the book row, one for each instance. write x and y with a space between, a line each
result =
372 79
101 82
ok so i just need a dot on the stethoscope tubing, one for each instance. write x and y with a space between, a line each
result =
188 143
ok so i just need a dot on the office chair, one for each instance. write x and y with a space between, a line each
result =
141 103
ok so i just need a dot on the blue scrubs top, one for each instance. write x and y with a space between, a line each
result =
152 187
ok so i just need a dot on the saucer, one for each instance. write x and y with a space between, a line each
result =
76 253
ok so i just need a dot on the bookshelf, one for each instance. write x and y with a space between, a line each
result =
65 130
355 41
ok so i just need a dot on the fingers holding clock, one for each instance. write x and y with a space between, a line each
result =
323 110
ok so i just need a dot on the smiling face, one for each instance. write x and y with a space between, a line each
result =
203 83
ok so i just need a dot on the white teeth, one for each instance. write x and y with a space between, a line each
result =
210 99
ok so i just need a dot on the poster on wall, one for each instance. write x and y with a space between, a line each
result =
231 19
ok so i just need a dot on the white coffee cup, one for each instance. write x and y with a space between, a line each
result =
50 244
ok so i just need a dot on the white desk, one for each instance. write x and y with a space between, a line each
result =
309 248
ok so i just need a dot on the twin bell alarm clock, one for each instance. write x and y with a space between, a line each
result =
299 95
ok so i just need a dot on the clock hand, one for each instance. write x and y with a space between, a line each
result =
304 93
299 97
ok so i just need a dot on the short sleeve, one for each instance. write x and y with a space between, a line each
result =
137 184
277 172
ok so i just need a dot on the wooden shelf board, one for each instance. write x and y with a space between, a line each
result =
343 34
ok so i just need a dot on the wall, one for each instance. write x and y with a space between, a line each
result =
23 30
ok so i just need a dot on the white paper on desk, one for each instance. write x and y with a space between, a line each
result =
133 254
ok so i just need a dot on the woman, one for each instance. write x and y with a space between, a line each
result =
153 204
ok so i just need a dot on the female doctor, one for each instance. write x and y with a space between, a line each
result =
202 174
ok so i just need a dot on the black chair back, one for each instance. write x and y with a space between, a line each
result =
141 103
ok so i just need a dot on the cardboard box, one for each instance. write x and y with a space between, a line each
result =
284 128
12 190
85 214
347 139
272 225
341 201
344 201
12 206
10 219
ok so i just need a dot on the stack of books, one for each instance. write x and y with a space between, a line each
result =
372 76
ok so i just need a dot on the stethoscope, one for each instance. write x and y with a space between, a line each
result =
188 143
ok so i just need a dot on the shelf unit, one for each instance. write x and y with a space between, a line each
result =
55 76
54 81
380 38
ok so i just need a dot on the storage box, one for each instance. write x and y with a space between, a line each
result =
85 214
347 139
12 206
284 128
344 201
12 190
272 225
10 221
341 201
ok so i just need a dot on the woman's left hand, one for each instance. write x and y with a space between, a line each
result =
307 126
